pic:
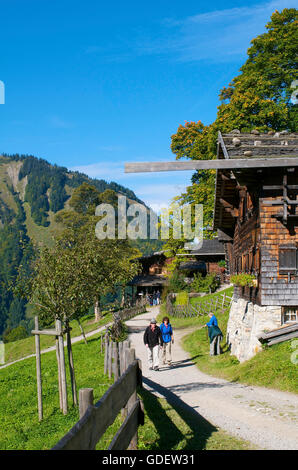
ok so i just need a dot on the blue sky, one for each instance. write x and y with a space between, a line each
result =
91 84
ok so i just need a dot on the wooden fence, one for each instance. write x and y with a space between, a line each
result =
221 303
122 395
130 312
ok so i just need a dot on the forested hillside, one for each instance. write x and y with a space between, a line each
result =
32 192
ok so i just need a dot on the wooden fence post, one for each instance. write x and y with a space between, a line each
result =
62 367
38 372
110 358
85 399
120 348
130 356
116 361
59 372
106 354
71 367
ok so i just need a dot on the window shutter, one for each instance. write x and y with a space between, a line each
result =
288 259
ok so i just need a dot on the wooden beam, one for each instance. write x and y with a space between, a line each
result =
38 372
223 146
46 332
128 429
243 163
277 187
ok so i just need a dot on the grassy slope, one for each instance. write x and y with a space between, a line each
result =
271 367
25 347
20 428
166 427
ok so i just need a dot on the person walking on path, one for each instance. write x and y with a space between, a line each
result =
215 335
153 341
168 339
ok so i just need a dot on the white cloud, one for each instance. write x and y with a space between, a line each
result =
152 188
220 35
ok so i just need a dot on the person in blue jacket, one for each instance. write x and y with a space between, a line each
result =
215 335
168 339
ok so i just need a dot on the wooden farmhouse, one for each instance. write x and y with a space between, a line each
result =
152 277
206 259
154 267
256 216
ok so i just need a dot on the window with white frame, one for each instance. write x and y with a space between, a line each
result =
290 314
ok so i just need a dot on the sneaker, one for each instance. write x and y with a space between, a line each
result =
169 364
156 368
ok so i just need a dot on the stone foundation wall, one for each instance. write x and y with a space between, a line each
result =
246 322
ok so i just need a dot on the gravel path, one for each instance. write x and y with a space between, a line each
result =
267 418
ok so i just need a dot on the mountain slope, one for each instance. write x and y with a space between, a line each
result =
32 191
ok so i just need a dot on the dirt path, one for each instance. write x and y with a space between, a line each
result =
267 418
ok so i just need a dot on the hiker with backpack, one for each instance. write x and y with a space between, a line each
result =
168 339
153 341
215 335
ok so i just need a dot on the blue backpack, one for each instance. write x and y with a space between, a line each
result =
166 336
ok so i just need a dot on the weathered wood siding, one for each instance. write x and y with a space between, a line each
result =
276 288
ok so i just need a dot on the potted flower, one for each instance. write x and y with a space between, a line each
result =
244 279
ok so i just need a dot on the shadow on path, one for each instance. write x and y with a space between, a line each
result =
169 434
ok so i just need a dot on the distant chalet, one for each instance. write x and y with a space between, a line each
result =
256 214
256 218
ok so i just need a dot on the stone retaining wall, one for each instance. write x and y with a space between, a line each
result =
246 322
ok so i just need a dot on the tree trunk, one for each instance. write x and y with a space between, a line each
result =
97 311
71 367
122 297
82 331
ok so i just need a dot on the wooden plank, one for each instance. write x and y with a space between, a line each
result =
62 367
85 400
128 429
110 358
108 407
59 374
228 164
280 339
46 332
223 145
79 437
106 358
279 332
85 434
38 372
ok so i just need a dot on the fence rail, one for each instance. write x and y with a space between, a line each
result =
95 419
130 312
221 302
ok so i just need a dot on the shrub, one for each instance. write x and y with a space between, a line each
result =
14 334
182 298
222 263
177 283
205 284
